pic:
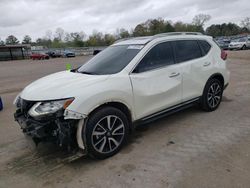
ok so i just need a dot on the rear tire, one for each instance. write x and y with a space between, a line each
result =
106 132
212 95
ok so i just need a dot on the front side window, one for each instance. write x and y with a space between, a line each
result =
111 60
159 56
186 50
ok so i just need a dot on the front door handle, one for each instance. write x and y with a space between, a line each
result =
206 64
174 74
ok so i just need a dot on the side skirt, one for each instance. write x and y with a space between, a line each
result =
167 112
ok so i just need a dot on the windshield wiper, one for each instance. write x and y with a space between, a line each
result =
89 73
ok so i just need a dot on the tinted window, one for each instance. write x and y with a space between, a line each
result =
205 46
111 60
159 56
186 50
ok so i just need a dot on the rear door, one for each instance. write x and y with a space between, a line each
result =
196 66
156 81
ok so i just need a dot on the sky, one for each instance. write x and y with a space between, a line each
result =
36 17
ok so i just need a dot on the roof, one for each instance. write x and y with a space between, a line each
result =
147 39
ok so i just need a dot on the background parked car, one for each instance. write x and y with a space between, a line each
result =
39 56
224 44
68 53
54 54
239 44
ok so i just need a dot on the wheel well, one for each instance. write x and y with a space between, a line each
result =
119 106
218 77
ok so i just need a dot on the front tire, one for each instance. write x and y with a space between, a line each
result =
212 95
106 132
244 47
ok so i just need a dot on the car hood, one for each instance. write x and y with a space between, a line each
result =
60 85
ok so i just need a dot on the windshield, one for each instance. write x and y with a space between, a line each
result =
242 40
111 60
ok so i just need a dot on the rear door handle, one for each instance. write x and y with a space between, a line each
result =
174 74
206 64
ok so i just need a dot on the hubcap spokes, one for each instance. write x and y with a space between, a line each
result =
108 134
214 95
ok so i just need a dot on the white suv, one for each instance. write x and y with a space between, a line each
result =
94 108
239 44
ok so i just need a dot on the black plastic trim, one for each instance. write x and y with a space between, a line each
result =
167 111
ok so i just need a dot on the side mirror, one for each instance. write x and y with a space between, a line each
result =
96 52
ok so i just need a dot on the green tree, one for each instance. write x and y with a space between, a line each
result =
231 29
214 30
140 30
109 39
11 40
244 30
156 26
43 42
27 39
184 27
169 27
96 39
152 27
68 38
77 39
180 27
122 33
56 43
225 29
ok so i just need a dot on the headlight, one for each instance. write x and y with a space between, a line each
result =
50 107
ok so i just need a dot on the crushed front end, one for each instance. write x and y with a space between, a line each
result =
45 122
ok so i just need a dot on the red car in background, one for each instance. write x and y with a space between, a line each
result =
39 56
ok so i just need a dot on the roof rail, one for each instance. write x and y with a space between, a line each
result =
157 36
123 39
177 33
132 38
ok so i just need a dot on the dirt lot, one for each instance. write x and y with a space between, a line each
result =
188 149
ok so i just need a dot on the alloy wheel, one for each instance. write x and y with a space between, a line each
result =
214 95
108 134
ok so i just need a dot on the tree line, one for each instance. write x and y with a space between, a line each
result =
62 39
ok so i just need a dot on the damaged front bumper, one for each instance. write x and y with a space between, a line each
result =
50 128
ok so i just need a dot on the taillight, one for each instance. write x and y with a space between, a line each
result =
223 55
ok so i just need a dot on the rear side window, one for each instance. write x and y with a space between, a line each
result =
186 50
159 56
205 47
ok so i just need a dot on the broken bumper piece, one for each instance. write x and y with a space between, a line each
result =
53 128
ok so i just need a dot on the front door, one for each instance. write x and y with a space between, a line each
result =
156 81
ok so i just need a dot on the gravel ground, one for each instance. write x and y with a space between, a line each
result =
188 149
